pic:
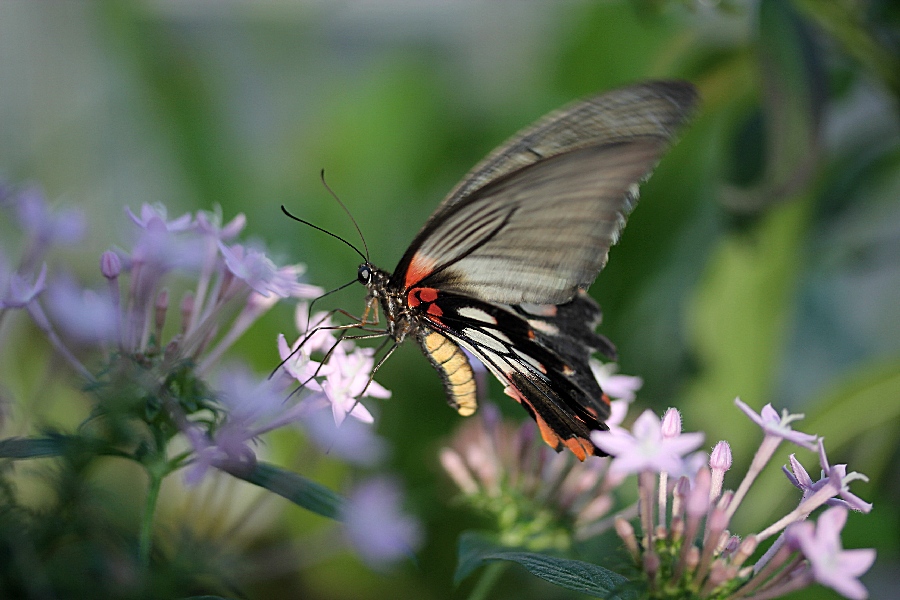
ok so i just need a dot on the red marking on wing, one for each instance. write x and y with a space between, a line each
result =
428 294
435 311
419 268
417 296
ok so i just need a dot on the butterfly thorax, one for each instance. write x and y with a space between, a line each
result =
398 315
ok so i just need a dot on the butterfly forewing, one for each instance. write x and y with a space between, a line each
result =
534 222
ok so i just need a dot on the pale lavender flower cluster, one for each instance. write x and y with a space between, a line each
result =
541 499
691 548
233 286
228 286
685 547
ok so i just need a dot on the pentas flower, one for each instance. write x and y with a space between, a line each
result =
87 316
229 288
353 440
22 290
152 214
375 525
646 448
674 563
617 387
538 498
828 563
684 547
45 226
151 400
252 407
318 329
349 378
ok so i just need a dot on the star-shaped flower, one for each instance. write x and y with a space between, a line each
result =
778 426
831 565
646 449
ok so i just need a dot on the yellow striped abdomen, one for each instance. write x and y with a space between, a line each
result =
455 370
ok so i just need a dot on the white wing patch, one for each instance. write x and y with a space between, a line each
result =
488 340
476 314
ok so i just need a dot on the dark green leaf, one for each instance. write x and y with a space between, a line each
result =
476 549
296 488
53 445
17 448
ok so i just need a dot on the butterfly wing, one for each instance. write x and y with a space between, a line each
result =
542 357
534 221
501 267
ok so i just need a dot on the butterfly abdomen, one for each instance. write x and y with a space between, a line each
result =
455 369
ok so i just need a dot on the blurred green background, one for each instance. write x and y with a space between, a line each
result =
763 260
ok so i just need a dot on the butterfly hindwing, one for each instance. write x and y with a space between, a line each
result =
542 360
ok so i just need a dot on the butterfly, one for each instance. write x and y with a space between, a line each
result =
502 266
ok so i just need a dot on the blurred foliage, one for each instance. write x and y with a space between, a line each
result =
763 261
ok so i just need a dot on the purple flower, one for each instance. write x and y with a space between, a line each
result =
646 449
64 226
299 365
835 476
21 291
839 473
210 223
348 379
621 387
154 215
324 338
87 316
831 565
375 525
161 249
285 283
252 407
352 441
250 266
778 426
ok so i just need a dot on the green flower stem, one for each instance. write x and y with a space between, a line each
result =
489 578
157 468
144 540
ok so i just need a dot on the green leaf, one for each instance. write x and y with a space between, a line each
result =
296 488
17 448
477 549
54 445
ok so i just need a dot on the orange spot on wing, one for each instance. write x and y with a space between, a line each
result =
435 310
419 268
547 434
580 447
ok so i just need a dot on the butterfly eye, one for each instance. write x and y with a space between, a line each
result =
364 275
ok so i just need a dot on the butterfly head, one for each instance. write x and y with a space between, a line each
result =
375 280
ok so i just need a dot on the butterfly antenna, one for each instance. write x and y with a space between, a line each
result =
334 235
346 210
